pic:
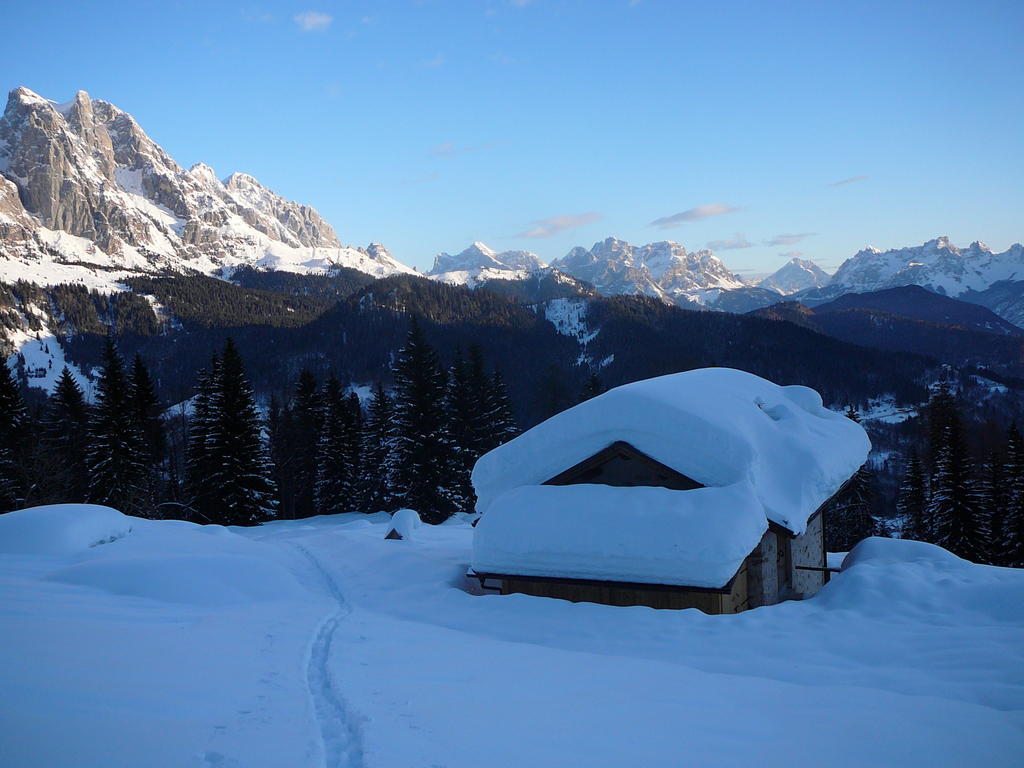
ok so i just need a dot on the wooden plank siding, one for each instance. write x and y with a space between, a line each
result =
622 465
732 598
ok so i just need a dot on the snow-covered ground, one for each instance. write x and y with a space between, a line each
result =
44 360
127 642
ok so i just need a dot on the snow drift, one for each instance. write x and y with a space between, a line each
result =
167 560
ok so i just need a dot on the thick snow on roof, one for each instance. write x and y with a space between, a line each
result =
648 535
717 425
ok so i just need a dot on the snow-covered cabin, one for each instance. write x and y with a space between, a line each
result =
701 489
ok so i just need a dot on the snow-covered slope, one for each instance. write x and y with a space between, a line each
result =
86 196
796 275
937 264
319 643
665 270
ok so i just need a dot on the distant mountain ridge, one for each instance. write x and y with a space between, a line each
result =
917 303
916 320
937 264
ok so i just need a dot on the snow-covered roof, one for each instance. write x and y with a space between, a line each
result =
765 452
717 425
644 535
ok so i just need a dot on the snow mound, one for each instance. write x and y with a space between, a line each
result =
165 560
877 550
405 522
60 529
913 580
644 535
718 426
211 580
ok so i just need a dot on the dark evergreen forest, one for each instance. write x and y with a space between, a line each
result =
268 365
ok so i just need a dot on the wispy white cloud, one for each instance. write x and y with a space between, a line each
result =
313 21
790 255
851 180
739 241
694 214
789 239
434 62
556 224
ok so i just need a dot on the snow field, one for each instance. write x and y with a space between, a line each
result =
356 651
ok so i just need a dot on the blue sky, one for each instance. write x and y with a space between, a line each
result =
553 123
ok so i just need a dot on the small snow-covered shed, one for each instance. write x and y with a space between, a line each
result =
701 489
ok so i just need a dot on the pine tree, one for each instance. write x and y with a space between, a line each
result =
147 412
147 417
1011 548
354 444
912 501
336 475
115 457
940 413
849 519
464 415
953 509
241 487
992 501
422 463
305 429
502 423
374 485
198 468
65 435
13 429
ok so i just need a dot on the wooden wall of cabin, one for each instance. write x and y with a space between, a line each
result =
609 593
809 549
762 571
622 465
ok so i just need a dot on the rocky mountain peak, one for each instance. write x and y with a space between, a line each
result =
664 269
87 169
481 257
796 275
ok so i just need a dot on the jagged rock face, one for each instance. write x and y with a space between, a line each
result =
796 275
937 264
303 223
664 269
15 223
86 168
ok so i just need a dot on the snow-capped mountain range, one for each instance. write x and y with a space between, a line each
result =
86 196
937 265
479 263
665 270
